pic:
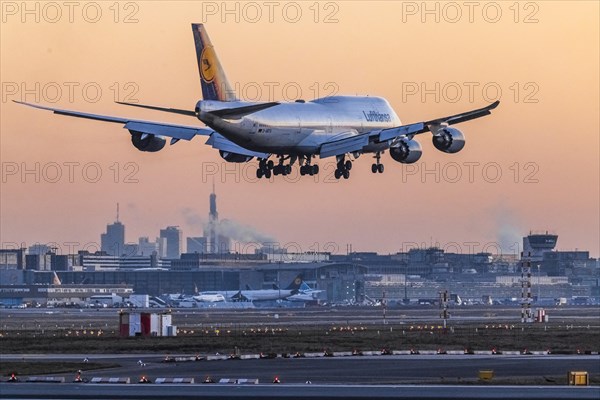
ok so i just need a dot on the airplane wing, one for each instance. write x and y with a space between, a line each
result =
176 132
358 142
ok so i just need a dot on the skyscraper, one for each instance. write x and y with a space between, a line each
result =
113 241
212 245
216 242
196 245
174 238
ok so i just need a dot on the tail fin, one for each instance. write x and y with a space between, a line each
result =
215 85
295 285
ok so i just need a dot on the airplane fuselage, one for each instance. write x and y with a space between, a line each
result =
300 128
251 295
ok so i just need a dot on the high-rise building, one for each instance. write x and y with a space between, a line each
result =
39 248
196 245
210 234
113 241
12 259
174 241
148 248
216 242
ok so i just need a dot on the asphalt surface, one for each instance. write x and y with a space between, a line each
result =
90 391
365 370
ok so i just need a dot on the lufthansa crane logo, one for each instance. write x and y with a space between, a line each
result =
208 66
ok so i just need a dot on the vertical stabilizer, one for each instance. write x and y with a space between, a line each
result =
55 279
215 85
296 283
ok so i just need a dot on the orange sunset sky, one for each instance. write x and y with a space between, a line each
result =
532 165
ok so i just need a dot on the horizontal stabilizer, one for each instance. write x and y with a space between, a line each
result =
164 109
239 112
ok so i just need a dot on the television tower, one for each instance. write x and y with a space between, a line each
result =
213 220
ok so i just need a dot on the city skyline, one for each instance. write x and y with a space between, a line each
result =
533 166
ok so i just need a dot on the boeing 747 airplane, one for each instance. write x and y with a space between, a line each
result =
281 134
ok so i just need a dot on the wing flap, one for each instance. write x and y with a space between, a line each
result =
343 146
176 132
404 130
217 141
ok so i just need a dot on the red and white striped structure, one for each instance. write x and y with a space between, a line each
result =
145 324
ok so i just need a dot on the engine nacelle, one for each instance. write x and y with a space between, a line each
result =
449 140
406 151
147 142
234 157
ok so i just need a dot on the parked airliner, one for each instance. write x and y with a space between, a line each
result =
280 134
256 295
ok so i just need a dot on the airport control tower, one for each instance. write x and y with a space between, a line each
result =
536 244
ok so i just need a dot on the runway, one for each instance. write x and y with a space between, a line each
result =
365 370
89 391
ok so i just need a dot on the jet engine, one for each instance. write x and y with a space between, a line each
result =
449 140
406 151
234 157
147 142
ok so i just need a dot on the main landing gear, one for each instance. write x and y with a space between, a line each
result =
306 168
377 166
343 167
264 168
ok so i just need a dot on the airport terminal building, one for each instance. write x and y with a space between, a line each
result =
354 278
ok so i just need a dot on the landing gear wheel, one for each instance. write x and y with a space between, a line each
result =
303 170
288 169
315 170
380 168
259 173
270 164
348 165
374 168
268 174
337 174
346 174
